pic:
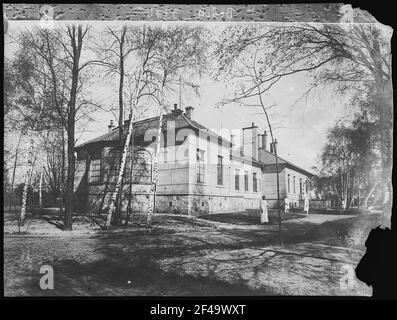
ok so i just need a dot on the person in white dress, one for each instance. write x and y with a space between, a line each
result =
286 205
306 206
264 212
344 204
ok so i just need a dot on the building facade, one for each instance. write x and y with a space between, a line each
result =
294 182
199 172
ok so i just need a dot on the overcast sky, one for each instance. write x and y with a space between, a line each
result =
300 129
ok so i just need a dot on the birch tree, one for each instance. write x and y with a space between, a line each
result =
27 99
163 53
61 52
113 52
348 158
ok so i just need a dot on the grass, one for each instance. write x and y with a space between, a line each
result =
251 217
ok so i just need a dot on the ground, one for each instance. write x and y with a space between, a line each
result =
182 256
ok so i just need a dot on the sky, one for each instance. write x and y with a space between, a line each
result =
300 128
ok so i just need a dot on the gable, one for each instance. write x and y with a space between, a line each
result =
268 160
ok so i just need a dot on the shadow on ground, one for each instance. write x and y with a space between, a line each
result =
172 259
250 217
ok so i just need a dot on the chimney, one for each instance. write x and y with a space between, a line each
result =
189 111
273 147
176 111
232 141
264 140
127 121
250 147
110 126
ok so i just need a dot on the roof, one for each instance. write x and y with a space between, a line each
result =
268 158
236 154
141 126
182 121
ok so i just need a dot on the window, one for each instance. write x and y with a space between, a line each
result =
138 168
237 179
306 183
165 154
289 183
200 165
110 166
246 180
220 170
300 186
95 168
294 185
208 149
254 182
178 140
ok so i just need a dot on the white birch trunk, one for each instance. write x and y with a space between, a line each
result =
22 214
112 204
13 171
40 189
155 172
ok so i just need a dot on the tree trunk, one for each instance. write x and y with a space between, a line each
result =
63 186
123 159
386 137
116 221
13 170
278 197
280 231
129 207
152 195
22 214
69 192
371 191
69 196
40 190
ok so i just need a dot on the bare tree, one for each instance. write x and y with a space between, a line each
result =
113 52
250 71
347 57
60 51
162 54
17 151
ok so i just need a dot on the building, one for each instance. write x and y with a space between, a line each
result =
199 171
294 182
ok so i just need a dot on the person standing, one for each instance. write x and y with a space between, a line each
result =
264 212
306 206
344 204
286 205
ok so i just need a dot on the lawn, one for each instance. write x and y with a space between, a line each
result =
250 217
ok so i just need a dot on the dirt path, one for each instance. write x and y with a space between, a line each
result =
189 257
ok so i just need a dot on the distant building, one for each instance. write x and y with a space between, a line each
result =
294 182
199 171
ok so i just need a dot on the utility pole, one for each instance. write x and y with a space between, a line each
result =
280 232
